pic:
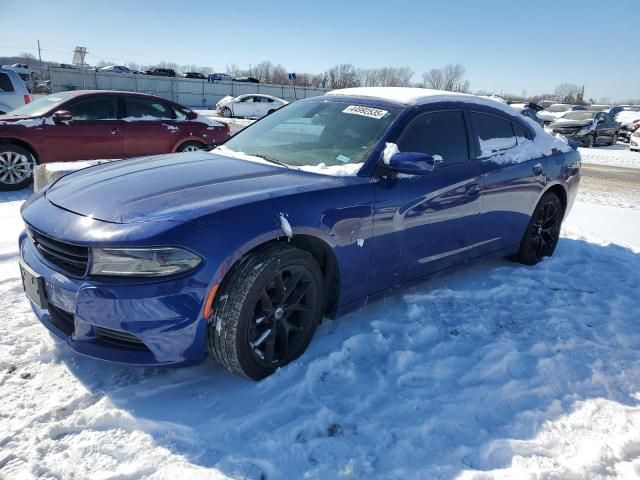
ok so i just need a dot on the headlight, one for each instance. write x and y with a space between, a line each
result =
584 131
142 262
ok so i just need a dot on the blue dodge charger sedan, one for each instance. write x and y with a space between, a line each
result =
314 210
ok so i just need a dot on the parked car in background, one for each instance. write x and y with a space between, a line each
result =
557 110
116 69
249 105
221 77
634 141
194 75
240 252
627 129
587 128
13 91
93 124
246 80
161 72
20 68
527 111
627 119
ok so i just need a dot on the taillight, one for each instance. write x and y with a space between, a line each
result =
27 99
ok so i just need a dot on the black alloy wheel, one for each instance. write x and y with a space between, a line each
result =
543 232
266 310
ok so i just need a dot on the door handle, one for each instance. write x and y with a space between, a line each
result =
538 170
113 131
472 189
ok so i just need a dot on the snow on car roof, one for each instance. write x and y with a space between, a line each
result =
420 96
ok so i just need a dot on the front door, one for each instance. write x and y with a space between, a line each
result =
93 133
423 224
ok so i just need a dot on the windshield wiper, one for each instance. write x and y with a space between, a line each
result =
271 160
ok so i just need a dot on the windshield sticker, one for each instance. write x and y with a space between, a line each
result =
365 111
343 159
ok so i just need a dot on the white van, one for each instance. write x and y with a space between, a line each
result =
13 91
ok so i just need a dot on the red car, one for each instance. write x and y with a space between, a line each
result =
94 124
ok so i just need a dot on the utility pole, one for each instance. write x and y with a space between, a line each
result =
39 54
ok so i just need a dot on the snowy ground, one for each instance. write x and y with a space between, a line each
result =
497 371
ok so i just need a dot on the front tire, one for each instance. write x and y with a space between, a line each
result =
543 232
589 141
226 112
266 311
16 167
614 139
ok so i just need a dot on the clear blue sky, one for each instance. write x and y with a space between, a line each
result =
505 45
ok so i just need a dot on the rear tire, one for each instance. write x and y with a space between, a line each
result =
266 311
543 232
16 167
191 146
614 139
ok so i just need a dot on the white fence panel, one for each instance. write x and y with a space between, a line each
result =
186 91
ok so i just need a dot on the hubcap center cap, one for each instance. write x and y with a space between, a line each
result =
279 313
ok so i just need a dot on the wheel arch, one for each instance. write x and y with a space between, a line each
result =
561 192
318 248
23 144
187 140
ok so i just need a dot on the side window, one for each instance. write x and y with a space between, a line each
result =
437 133
96 108
494 133
521 134
147 109
5 83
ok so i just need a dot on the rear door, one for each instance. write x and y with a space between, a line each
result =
93 133
422 224
511 186
149 126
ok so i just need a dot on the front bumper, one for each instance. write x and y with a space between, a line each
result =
102 320
144 322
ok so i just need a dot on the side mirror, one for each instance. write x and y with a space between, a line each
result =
62 116
414 163
191 115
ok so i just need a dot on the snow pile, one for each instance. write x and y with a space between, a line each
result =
497 371
346 170
390 149
613 156
285 225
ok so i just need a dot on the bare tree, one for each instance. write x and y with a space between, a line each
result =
569 93
341 76
450 78
384 77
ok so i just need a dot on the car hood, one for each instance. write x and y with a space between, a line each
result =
175 187
565 122
550 115
20 120
225 100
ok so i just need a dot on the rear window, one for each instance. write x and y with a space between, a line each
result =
494 133
5 83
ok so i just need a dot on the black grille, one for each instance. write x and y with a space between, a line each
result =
119 338
61 319
71 259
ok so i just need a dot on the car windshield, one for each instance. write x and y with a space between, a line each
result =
42 105
558 108
316 133
579 115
